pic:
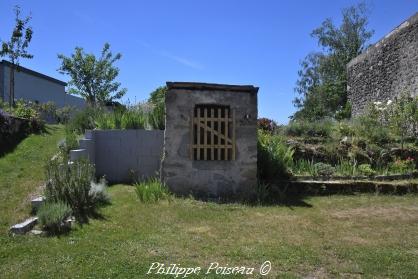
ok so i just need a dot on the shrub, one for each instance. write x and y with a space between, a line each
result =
402 166
133 118
52 216
324 169
63 115
300 128
275 158
345 167
266 124
74 185
156 118
303 167
83 120
152 190
366 169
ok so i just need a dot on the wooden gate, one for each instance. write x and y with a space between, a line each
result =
212 133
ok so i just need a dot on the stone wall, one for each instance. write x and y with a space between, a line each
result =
386 69
210 179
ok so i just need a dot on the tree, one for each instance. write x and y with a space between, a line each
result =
157 97
93 77
16 47
322 83
157 101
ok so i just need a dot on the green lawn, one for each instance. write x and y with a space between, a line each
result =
22 172
363 236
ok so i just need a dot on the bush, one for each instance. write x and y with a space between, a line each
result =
366 169
266 124
133 118
74 185
63 115
324 169
402 166
83 120
52 216
156 118
301 128
304 167
347 168
275 158
152 190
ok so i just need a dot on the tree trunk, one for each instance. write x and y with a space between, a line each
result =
12 86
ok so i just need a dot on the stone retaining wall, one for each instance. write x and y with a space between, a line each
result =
386 69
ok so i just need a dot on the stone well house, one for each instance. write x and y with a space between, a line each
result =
210 140
386 69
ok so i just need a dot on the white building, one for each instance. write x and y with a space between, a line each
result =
35 87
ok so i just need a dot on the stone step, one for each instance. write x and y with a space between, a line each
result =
77 154
36 203
88 134
25 226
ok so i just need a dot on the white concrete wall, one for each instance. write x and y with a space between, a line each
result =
125 155
34 88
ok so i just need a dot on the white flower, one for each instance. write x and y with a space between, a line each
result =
389 102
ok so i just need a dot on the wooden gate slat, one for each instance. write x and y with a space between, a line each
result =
204 126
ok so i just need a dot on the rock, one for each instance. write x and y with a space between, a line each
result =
36 203
37 232
24 227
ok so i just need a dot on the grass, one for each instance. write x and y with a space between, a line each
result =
22 172
331 236
351 236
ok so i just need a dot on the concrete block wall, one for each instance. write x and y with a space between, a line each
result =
210 179
122 155
386 69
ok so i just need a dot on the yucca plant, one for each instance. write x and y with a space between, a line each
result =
275 158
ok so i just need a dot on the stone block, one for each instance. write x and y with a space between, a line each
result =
24 227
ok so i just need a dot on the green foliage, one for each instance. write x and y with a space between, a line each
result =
323 169
152 190
27 110
402 166
366 169
304 167
274 157
402 116
64 114
266 124
52 216
83 120
93 77
131 118
322 83
370 126
157 101
72 184
347 168
134 119
156 118
298 128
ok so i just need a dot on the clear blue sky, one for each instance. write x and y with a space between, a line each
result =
220 41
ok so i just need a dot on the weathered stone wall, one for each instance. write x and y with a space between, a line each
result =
210 179
386 69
